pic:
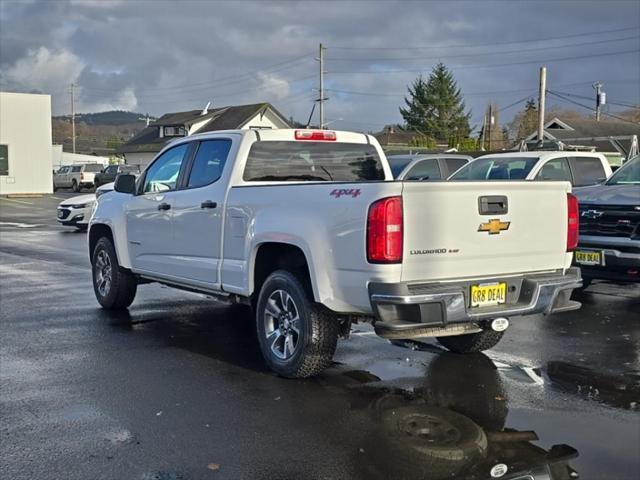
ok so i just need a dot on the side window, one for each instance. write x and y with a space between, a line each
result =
454 164
76 169
556 169
162 175
4 159
111 170
588 171
424 170
63 170
209 162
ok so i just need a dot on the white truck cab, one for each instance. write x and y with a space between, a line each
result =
310 229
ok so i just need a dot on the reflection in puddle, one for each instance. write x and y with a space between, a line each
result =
452 424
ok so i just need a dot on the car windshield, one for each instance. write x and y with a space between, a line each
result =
628 174
398 164
93 167
496 168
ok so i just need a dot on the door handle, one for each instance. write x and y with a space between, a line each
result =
208 204
164 206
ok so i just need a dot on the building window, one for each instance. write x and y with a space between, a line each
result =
4 160
174 132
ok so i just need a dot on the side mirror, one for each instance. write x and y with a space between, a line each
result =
125 183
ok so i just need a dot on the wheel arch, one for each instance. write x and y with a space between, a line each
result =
96 232
271 256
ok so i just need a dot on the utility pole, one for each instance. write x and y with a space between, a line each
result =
321 87
600 99
73 118
490 124
541 100
484 131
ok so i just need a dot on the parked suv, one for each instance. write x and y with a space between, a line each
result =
578 168
609 245
76 177
426 167
110 173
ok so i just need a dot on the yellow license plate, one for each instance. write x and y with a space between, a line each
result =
588 257
488 294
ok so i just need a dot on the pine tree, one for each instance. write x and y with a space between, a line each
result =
435 107
525 122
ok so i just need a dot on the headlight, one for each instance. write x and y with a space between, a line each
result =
80 205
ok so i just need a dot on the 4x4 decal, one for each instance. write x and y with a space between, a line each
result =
338 192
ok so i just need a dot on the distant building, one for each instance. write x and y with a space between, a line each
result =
617 140
143 147
25 143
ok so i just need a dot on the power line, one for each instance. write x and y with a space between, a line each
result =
515 42
493 65
562 97
584 97
520 50
220 81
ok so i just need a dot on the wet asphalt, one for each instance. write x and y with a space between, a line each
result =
175 388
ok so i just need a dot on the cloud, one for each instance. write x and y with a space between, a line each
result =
160 57
273 85
43 70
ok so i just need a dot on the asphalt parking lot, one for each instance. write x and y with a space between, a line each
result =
176 388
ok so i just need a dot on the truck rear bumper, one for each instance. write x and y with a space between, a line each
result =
408 310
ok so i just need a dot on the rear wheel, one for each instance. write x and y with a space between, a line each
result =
472 342
115 288
74 186
297 336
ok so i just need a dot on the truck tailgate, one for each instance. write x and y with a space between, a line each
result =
447 237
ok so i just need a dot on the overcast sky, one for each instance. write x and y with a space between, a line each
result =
166 56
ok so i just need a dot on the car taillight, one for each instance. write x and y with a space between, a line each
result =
384 231
573 222
326 135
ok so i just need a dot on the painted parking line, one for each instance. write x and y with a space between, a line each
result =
21 225
15 201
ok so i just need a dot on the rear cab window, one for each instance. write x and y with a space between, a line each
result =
290 161
209 162
587 171
93 168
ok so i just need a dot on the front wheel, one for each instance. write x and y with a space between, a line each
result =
472 342
115 288
297 336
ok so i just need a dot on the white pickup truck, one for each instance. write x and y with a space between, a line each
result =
309 228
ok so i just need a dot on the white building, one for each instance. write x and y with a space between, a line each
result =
25 143
143 147
61 158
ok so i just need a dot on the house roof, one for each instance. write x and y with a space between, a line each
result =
395 137
605 135
223 118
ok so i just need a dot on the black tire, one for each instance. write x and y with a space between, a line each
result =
317 337
55 189
74 186
120 291
472 342
421 441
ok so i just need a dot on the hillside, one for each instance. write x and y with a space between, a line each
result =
98 133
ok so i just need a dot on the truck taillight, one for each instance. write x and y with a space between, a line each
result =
573 222
326 135
384 231
82 176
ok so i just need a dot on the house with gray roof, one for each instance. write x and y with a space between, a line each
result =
144 146
618 140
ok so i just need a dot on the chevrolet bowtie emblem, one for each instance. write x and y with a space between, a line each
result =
494 226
